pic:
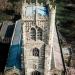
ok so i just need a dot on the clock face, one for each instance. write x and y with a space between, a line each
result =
31 10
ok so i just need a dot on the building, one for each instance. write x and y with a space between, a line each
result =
5 35
6 31
73 55
41 53
67 55
13 63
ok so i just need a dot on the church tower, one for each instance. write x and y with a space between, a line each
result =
35 36
42 53
35 46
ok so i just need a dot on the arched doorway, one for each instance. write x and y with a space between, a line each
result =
14 74
55 74
36 73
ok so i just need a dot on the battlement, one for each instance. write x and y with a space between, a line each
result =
32 11
37 4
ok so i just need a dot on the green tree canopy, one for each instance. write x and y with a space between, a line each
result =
66 15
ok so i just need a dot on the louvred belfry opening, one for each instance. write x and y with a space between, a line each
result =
35 52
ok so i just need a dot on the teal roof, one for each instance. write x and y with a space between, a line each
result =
14 55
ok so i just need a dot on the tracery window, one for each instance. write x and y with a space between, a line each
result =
35 52
39 33
33 33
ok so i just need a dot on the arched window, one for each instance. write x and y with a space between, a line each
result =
36 73
35 52
39 33
55 74
33 33
14 74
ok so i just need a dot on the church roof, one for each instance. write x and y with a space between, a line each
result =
14 55
57 52
52 61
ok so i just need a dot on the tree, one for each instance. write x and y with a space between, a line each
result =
66 15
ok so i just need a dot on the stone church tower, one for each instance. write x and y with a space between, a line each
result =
42 54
